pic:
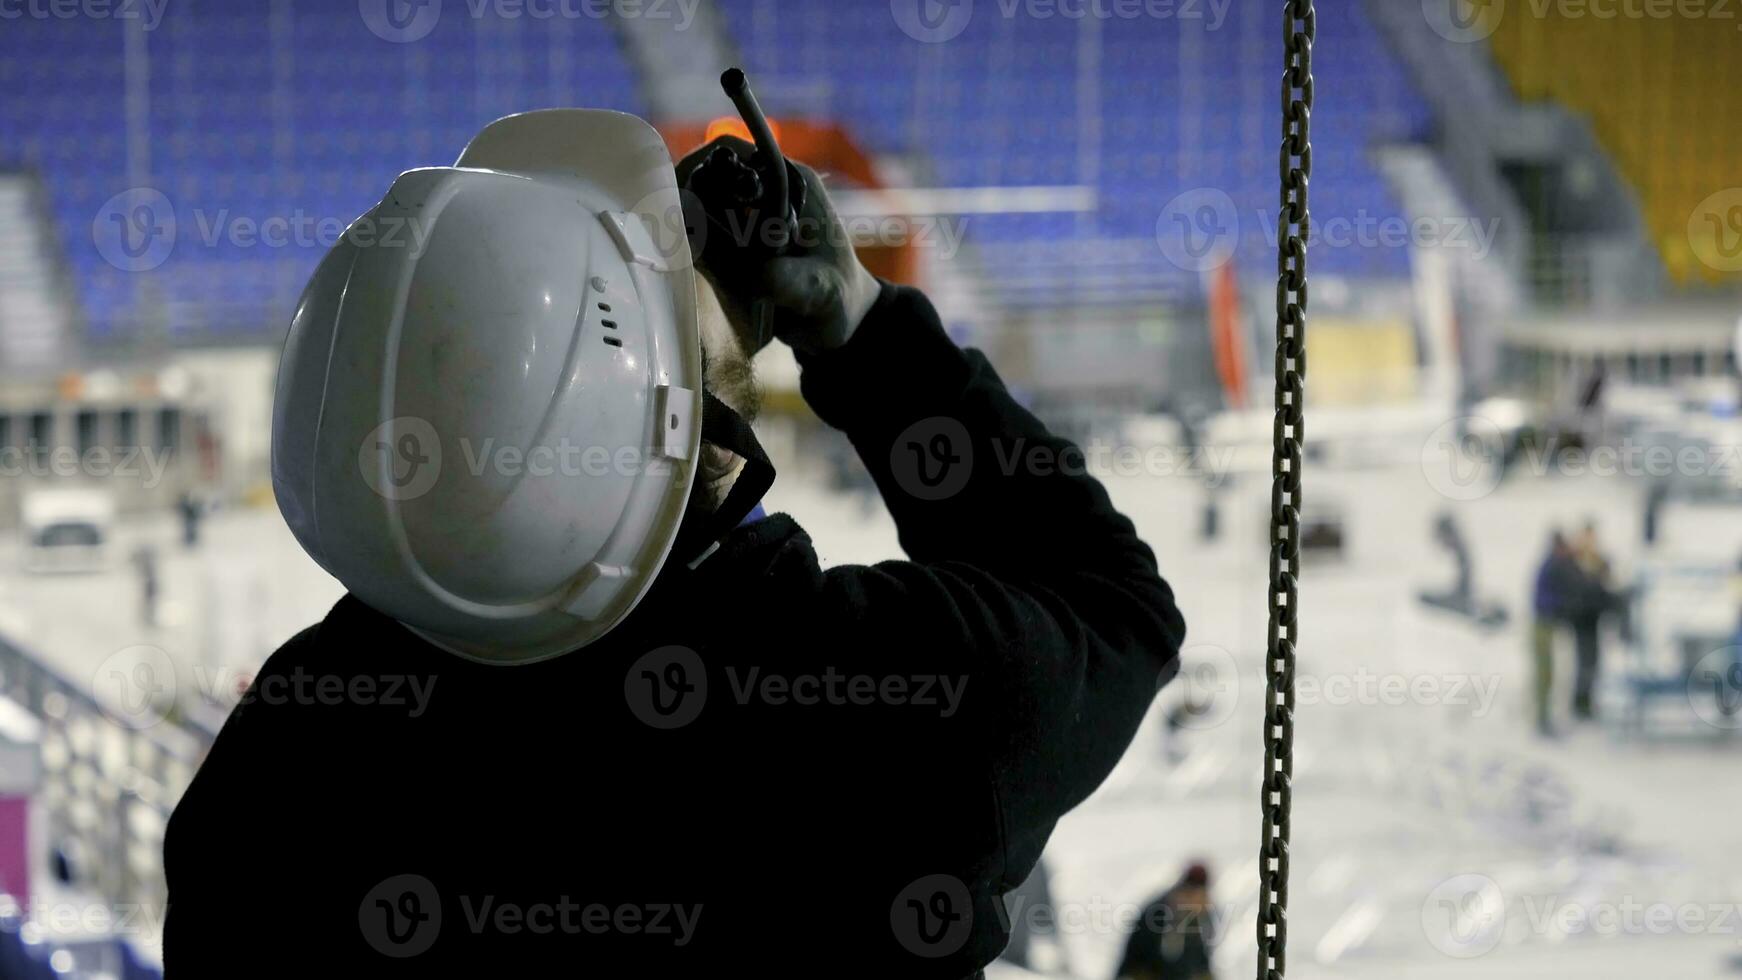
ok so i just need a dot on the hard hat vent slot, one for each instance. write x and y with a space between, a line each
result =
613 341
604 307
612 324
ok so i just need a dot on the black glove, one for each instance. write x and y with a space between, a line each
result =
818 290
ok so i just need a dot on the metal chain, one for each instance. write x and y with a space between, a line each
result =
1299 26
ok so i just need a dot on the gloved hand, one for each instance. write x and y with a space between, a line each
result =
819 290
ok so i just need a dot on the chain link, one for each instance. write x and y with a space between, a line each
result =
1299 27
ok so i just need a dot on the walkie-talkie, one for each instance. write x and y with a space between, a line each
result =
751 204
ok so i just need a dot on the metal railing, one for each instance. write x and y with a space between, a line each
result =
107 787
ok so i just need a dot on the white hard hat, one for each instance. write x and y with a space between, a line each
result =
489 404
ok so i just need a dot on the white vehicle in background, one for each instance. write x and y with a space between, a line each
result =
67 530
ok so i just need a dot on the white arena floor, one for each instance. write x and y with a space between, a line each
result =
1434 834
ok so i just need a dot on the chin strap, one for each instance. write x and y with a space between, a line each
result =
722 427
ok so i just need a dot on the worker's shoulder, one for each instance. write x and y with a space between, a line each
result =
352 638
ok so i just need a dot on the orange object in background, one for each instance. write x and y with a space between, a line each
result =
1227 340
733 126
825 148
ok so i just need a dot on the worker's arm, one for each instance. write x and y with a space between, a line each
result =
1024 580
1022 572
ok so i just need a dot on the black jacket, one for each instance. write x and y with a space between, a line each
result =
864 759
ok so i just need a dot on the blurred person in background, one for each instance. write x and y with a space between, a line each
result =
1172 937
191 509
1594 601
1554 595
150 586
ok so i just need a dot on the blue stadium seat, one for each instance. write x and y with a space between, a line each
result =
307 113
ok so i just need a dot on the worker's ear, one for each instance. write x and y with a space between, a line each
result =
725 335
